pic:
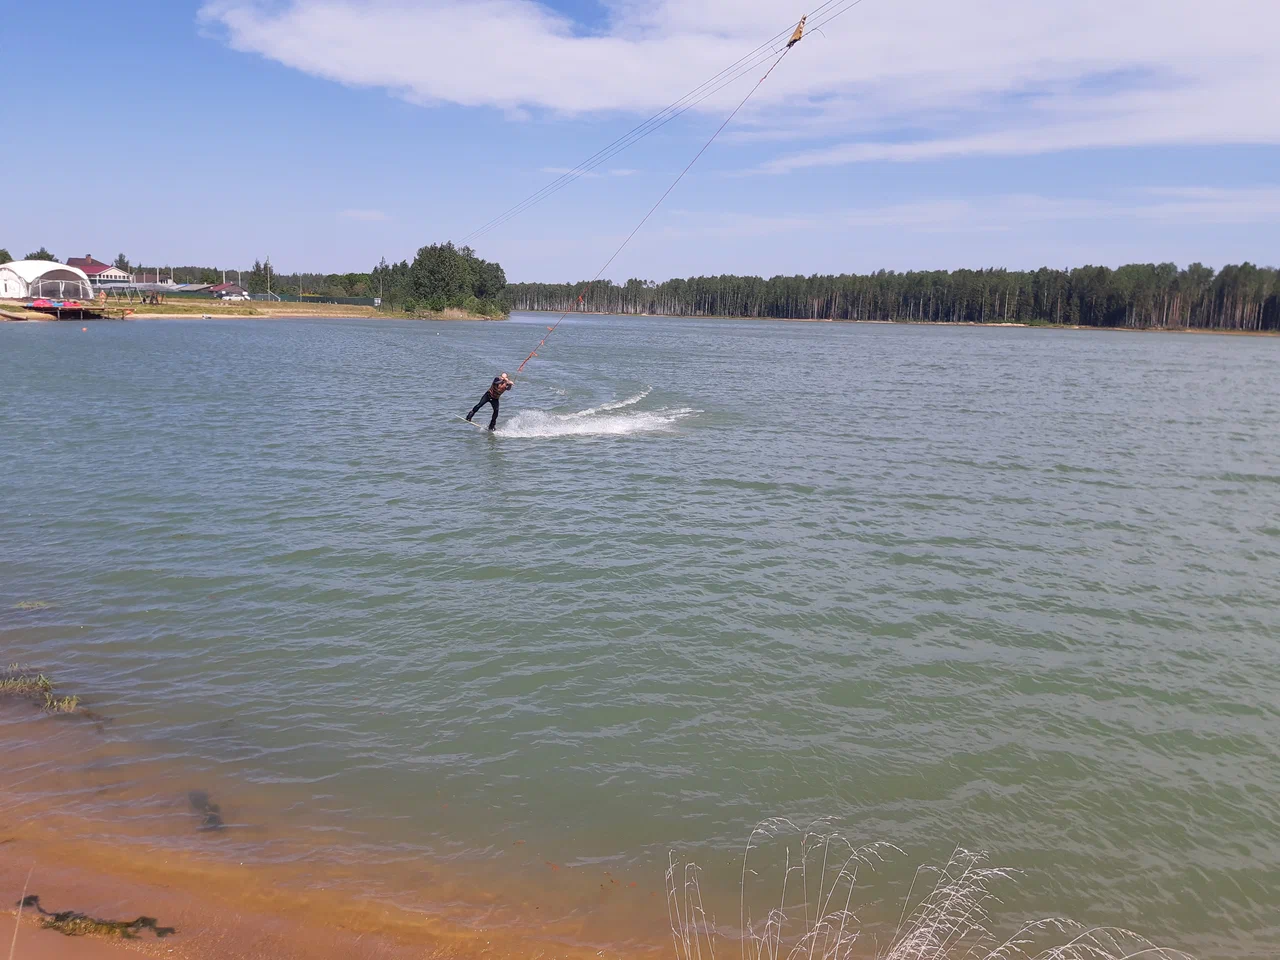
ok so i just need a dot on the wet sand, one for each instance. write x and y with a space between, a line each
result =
206 924
110 831
229 911
34 943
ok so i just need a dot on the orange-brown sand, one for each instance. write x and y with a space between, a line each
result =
33 943
224 911
109 833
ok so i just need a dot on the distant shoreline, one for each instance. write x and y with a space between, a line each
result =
260 310
242 310
286 315
922 323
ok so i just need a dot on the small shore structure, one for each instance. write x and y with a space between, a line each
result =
43 280
46 289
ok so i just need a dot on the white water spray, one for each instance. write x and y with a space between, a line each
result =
603 420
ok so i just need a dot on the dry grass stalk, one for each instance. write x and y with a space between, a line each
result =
816 917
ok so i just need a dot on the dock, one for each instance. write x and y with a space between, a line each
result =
18 312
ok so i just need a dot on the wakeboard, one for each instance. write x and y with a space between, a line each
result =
472 423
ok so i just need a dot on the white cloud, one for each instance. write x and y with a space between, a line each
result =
1187 206
590 174
564 171
367 216
982 77
1213 205
1122 122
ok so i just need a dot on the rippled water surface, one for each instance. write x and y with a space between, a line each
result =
1009 589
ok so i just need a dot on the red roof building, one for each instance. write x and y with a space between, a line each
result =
99 272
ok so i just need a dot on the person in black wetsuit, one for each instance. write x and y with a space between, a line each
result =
501 384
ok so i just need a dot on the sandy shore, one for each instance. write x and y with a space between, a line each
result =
229 912
33 943
204 925
223 310
294 311
106 829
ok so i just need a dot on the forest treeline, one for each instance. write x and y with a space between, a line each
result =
1243 297
440 276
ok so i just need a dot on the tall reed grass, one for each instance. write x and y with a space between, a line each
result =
948 913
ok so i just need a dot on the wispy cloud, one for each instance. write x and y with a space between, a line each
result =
1187 206
562 171
590 174
1157 126
366 216
1212 204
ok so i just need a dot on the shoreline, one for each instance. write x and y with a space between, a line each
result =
283 311
299 316
254 310
221 910
108 830
920 323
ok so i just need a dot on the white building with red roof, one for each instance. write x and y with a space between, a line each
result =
99 272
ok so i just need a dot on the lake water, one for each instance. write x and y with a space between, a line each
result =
1014 590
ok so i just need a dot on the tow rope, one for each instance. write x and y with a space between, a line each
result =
795 38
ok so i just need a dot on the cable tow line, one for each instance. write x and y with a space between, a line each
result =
821 15
795 38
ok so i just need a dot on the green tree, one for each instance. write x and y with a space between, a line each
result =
257 282
122 263
443 276
42 254
490 281
440 276
4 256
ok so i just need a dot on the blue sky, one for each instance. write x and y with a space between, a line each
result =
905 135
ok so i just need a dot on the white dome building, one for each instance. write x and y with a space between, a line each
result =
32 279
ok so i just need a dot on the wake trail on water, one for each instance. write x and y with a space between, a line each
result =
613 405
603 420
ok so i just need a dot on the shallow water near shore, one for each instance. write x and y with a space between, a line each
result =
1016 590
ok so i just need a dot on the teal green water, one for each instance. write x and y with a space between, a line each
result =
1009 589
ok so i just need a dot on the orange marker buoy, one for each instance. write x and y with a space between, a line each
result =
84 329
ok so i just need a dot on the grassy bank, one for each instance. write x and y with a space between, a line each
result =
261 308
12 310
222 309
